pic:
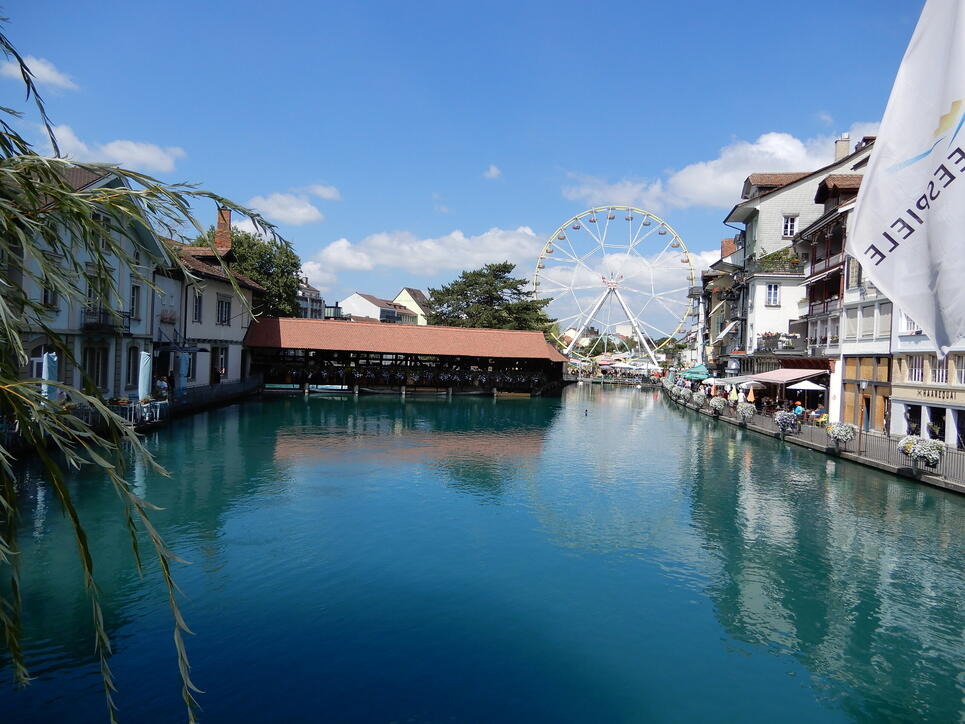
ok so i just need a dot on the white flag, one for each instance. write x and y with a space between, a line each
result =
908 229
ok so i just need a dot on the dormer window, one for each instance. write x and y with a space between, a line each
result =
790 226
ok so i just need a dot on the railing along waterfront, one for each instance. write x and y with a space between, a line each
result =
868 447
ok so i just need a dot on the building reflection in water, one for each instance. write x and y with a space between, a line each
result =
855 573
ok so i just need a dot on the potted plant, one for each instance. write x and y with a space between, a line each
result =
840 432
834 339
698 398
717 405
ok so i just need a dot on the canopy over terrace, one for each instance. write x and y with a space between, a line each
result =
326 351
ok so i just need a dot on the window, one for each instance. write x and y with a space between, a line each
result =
939 371
773 295
192 365
960 366
224 311
103 233
133 365
221 361
198 298
51 299
884 320
916 367
868 321
908 324
94 363
135 301
790 226
851 323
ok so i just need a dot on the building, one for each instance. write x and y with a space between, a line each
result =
103 338
768 272
310 302
414 300
384 310
206 318
927 394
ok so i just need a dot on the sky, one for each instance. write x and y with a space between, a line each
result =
397 144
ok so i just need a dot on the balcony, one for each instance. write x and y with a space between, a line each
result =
819 266
824 307
775 266
97 319
783 343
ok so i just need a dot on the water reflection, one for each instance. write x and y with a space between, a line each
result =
856 573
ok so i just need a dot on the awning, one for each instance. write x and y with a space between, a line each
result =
725 380
782 377
727 330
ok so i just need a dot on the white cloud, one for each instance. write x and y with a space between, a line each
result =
826 118
44 72
453 251
318 275
492 172
717 182
328 193
292 209
129 154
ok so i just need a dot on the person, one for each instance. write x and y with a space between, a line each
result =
798 409
161 388
741 397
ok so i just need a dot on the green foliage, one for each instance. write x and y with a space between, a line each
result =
268 261
490 298
70 240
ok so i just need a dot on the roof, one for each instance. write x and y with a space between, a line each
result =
385 303
418 296
837 182
212 271
79 178
744 205
775 180
318 334
783 376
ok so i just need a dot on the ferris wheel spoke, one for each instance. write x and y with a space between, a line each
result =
590 232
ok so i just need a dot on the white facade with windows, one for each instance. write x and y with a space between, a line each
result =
928 394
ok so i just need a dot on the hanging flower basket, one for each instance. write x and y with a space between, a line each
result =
717 405
746 411
699 399
922 450
840 433
786 422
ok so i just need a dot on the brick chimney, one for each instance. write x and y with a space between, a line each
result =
842 146
222 234
727 247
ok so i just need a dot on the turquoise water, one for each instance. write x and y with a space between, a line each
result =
603 557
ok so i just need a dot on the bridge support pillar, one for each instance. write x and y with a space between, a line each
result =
403 392
449 392
355 390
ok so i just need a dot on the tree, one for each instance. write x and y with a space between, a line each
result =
272 264
68 240
490 298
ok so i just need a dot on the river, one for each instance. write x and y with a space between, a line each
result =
600 557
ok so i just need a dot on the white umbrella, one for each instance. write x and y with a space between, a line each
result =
752 385
806 385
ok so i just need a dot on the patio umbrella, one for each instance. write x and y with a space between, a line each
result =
750 395
806 385
752 385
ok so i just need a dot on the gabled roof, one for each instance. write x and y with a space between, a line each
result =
318 334
418 296
772 181
748 204
199 260
79 178
385 303
837 182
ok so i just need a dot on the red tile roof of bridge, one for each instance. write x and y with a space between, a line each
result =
318 334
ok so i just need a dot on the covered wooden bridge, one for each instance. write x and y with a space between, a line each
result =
403 358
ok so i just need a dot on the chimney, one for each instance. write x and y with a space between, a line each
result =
727 247
222 234
842 146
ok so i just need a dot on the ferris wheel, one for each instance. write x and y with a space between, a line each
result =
618 279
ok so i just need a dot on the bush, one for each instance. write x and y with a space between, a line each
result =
922 449
841 431
746 410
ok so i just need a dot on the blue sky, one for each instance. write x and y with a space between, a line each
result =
399 143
